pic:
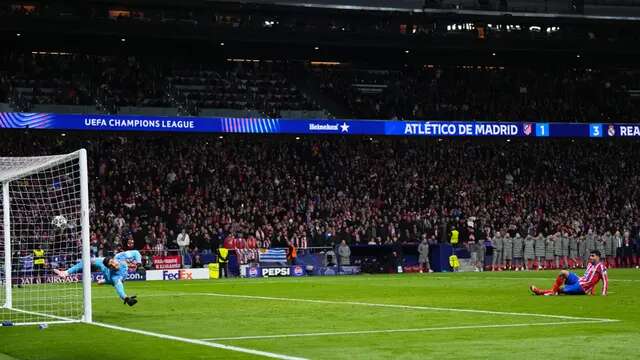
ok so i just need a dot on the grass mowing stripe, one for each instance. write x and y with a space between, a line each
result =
6 357
412 307
521 278
363 332
200 342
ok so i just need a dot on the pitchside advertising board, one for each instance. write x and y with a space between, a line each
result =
131 276
345 127
30 278
254 272
177 274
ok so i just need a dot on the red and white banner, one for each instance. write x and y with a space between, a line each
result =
167 262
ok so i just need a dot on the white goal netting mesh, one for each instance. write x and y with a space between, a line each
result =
45 233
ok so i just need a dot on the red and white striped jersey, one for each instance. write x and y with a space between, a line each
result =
592 276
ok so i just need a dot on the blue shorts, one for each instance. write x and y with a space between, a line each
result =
572 285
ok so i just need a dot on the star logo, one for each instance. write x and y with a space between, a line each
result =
344 127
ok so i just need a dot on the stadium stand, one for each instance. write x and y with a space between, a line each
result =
493 93
317 192
112 83
567 94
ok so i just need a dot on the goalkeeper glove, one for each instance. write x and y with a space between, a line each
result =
131 300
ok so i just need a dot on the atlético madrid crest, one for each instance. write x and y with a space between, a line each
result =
528 128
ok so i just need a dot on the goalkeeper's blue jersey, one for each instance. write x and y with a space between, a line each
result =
112 277
131 255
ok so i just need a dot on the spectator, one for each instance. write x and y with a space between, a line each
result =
183 242
330 257
619 243
292 253
197 261
397 255
628 251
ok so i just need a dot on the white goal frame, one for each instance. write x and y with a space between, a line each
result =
30 168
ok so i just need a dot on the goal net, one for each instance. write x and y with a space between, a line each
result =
44 224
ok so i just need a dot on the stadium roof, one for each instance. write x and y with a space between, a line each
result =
600 9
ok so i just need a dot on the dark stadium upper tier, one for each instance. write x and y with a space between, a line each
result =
169 86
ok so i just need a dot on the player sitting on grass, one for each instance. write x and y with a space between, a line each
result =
114 271
569 283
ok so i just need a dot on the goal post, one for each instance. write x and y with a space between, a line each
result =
45 225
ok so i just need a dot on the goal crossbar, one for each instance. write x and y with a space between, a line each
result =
19 167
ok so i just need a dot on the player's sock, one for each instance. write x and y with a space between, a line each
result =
541 292
558 283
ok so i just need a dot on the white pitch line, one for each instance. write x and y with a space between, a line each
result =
57 322
412 307
405 330
65 319
200 342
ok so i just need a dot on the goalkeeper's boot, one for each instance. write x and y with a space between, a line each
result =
131 300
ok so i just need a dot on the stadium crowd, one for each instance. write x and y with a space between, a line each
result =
320 191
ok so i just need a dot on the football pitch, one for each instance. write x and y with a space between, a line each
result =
404 316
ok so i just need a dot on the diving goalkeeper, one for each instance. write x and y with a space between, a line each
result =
114 271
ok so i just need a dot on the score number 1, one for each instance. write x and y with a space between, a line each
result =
542 129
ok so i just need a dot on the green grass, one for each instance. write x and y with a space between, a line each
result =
189 310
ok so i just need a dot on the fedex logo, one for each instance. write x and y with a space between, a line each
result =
177 275
275 272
